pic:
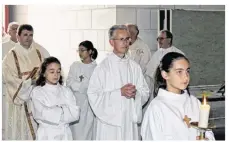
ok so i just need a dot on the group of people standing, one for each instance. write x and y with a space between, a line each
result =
130 95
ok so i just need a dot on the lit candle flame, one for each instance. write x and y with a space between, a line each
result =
204 102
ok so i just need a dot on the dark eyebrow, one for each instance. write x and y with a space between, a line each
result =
53 69
182 69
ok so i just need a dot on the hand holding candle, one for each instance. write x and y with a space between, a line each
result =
204 113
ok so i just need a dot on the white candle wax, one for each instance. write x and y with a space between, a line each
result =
204 115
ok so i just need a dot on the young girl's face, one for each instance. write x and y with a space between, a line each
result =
52 73
84 53
177 78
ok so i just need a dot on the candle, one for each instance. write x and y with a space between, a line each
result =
204 113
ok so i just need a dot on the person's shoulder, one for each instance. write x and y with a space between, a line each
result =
76 64
155 105
5 43
194 98
156 53
65 88
105 60
43 50
10 55
102 68
37 45
134 64
156 102
36 91
104 64
37 88
178 50
142 45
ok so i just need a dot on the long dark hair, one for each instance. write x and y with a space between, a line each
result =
41 79
89 46
165 65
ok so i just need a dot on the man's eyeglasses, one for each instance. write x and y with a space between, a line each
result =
128 39
161 38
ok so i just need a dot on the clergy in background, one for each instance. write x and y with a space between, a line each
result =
117 91
9 44
18 66
165 41
139 52
5 36
6 46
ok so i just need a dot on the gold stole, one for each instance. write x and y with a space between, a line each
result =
20 74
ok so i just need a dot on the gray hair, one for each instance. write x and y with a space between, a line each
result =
133 25
114 28
11 24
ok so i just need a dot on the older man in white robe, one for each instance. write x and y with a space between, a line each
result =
138 50
5 36
165 41
17 66
117 91
9 44
6 46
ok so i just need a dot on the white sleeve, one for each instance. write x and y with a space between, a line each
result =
106 104
71 110
142 94
148 81
50 115
45 52
10 77
142 89
152 66
25 90
72 81
151 126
